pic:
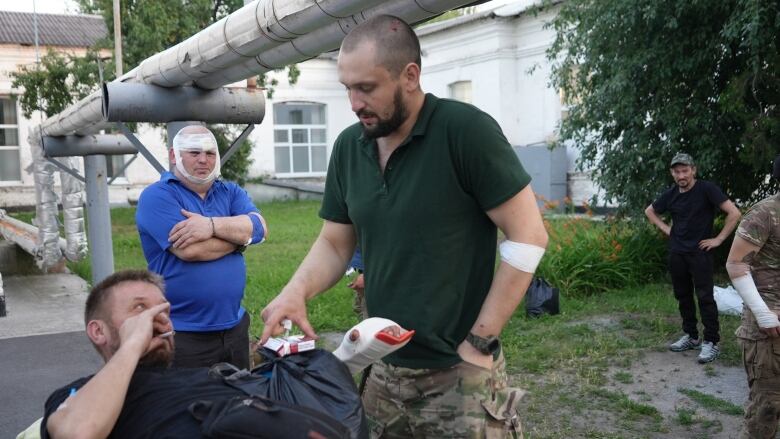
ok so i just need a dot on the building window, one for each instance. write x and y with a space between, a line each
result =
461 91
300 141
10 164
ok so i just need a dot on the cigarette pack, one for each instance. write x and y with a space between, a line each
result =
290 345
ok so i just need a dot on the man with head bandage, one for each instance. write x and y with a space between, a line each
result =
194 228
754 268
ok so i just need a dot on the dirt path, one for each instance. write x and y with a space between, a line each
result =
657 378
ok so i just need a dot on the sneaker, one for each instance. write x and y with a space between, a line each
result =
709 352
684 343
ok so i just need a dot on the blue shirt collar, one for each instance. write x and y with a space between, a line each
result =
168 176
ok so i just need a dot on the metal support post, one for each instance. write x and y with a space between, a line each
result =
237 143
71 171
122 169
2 298
99 217
140 147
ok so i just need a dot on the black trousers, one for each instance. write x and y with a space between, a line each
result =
204 349
693 272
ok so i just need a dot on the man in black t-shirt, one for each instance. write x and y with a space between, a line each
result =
692 205
136 394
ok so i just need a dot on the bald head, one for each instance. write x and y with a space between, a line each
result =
395 42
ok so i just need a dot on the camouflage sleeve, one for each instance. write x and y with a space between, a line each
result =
756 225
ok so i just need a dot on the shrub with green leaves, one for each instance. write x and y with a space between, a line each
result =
585 256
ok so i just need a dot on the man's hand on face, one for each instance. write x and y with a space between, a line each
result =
195 228
709 244
285 306
138 332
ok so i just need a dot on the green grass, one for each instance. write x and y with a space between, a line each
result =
685 416
624 377
293 227
712 403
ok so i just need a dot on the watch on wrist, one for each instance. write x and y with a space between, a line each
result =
486 345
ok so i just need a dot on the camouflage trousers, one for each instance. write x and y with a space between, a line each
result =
463 401
762 364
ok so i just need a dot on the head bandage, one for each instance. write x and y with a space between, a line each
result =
524 257
197 141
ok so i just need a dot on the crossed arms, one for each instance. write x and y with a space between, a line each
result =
200 238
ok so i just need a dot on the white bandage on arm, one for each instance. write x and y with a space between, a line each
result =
746 288
524 257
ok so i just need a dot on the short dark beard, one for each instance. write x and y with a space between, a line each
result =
384 128
156 358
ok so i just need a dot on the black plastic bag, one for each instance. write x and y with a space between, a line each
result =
541 298
256 417
314 379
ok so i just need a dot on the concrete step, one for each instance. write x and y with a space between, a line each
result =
15 261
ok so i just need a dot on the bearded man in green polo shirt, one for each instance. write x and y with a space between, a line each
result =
422 184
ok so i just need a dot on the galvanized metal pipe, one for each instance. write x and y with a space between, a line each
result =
95 144
99 216
262 35
130 102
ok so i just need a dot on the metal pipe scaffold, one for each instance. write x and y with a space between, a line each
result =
261 36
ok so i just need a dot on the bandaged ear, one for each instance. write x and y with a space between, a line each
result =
190 140
746 288
522 256
371 344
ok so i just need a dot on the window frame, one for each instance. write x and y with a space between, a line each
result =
18 146
309 143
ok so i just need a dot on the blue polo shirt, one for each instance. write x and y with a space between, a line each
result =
204 296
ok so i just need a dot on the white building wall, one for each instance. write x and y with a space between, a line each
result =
318 82
504 57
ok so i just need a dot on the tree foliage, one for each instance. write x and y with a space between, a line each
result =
649 78
57 82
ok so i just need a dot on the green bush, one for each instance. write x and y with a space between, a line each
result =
585 256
